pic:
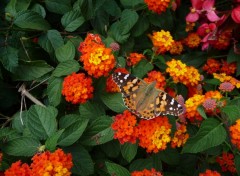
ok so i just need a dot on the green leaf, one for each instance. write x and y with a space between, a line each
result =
42 121
112 8
15 6
201 111
232 56
115 169
170 156
65 52
91 110
127 21
39 9
100 21
141 164
51 41
82 160
66 68
163 21
51 142
116 33
31 70
59 7
9 58
19 124
99 131
72 20
156 160
68 120
129 151
121 62
54 91
132 3
111 148
140 27
232 112
6 133
210 134
113 102
212 81
237 163
73 133
23 146
31 20
142 68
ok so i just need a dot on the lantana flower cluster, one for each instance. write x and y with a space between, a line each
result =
146 172
56 163
98 60
226 161
153 135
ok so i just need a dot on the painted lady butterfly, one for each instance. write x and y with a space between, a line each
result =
144 99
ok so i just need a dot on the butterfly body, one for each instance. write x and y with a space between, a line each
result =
144 99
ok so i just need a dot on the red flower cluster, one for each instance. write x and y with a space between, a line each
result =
210 173
77 88
134 58
216 66
157 6
57 163
158 77
226 161
124 127
146 172
235 134
97 59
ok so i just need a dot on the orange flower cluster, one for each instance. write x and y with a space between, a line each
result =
180 136
97 59
225 78
157 6
180 72
111 86
162 41
193 40
154 135
158 77
134 58
226 161
223 40
18 169
57 163
210 173
176 48
235 134
124 127
77 88
215 66
146 172
191 108
212 66
91 41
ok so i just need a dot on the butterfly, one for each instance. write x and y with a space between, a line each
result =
144 99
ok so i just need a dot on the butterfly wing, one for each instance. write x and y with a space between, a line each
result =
165 104
145 106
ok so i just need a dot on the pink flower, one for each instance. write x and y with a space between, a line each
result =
193 16
210 10
236 14
205 29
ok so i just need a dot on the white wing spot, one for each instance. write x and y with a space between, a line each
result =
179 105
171 108
121 81
126 76
119 73
172 102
